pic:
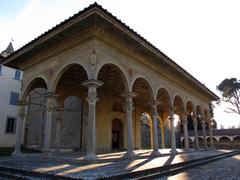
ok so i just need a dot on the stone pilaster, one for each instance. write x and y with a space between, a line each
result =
92 86
51 103
59 120
19 130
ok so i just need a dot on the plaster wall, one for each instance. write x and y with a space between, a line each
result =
7 84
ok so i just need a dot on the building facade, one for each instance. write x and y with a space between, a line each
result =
121 81
10 83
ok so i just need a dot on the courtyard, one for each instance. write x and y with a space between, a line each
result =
73 165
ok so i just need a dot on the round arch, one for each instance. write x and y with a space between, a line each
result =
178 104
225 142
120 69
199 110
144 83
65 68
140 76
206 113
236 142
165 92
236 138
115 68
224 138
190 107
36 82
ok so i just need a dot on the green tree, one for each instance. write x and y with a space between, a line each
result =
230 90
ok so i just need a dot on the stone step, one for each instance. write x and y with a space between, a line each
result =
13 173
169 169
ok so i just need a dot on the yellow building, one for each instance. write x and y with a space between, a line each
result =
125 80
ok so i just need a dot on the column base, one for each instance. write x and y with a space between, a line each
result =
213 147
197 148
17 154
47 154
129 154
155 153
91 157
173 151
186 149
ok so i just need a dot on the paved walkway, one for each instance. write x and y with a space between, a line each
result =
227 169
73 165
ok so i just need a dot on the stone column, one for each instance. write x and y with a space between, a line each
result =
204 132
155 129
185 131
195 132
59 119
173 138
211 134
19 128
129 108
51 103
92 86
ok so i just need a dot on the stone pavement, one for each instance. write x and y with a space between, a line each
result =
73 164
227 169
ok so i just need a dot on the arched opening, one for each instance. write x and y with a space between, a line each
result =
34 127
74 120
163 111
190 112
199 114
225 143
201 142
69 81
215 142
146 127
71 95
178 107
117 134
236 142
191 145
111 126
207 118
142 111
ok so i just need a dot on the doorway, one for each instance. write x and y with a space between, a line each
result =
117 135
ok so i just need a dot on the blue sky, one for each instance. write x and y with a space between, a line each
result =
11 8
202 36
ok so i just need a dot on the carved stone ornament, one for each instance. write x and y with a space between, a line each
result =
93 58
92 97
129 104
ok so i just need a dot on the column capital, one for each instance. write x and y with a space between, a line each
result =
129 94
154 107
91 83
22 103
155 103
128 98
50 95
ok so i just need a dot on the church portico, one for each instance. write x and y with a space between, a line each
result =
103 87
